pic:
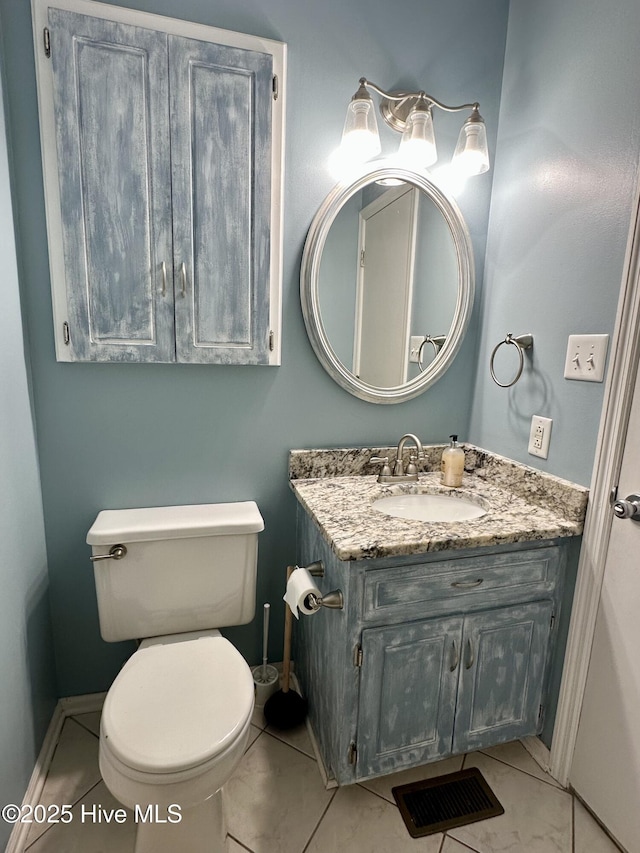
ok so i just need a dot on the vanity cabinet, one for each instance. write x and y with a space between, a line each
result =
161 148
433 654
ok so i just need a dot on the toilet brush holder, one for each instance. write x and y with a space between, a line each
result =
266 680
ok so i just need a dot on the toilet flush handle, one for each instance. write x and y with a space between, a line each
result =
117 552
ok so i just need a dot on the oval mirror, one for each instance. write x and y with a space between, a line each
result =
387 284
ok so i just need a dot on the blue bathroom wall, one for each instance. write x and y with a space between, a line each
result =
138 435
26 661
563 198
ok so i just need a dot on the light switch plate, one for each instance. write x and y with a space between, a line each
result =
586 357
416 341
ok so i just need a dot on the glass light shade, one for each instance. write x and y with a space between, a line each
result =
418 144
471 156
360 139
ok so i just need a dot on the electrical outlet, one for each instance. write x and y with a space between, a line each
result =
540 436
586 356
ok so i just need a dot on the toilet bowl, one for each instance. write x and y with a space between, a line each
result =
176 719
174 726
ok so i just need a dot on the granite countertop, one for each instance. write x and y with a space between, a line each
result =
522 504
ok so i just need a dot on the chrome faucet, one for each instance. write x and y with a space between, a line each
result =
399 474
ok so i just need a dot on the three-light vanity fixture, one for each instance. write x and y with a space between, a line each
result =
410 113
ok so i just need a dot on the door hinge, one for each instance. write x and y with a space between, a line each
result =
271 340
553 620
540 713
274 87
352 753
46 37
66 337
357 655
362 258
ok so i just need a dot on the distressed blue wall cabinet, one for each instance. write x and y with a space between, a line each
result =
432 655
164 176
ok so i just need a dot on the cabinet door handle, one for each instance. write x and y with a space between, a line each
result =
470 657
183 275
467 584
456 656
163 267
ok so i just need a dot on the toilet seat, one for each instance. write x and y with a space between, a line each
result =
178 703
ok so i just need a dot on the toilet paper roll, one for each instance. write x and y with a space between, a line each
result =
299 586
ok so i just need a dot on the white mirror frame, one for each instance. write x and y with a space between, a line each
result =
310 279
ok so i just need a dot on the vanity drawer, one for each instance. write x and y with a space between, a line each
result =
408 590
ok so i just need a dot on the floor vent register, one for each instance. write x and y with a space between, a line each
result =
442 803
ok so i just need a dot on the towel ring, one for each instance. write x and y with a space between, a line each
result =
436 341
522 342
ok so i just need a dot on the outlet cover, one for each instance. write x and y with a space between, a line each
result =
586 357
540 436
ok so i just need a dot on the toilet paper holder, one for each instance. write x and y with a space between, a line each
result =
333 600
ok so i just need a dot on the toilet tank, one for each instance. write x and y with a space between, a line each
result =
186 568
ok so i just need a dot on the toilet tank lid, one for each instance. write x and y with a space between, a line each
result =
145 524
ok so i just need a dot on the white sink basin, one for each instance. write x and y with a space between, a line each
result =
429 507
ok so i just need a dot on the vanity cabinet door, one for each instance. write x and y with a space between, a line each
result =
221 104
407 694
110 87
502 671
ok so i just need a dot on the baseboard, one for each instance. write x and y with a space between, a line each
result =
85 704
539 752
20 831
67 707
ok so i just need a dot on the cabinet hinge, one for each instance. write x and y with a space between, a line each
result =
272 338
362 258
357 655
66 337
46 37
352 753
274 86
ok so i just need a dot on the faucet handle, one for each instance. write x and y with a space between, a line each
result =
386 470
412 467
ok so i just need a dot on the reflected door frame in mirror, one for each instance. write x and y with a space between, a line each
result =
310 280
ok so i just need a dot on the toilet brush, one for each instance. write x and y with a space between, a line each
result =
265 677
286 708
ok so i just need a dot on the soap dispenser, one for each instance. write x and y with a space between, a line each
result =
452 464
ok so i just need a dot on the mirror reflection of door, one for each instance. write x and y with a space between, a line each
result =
386 256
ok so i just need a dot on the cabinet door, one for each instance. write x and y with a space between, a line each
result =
407 694
221 104
112 134
502 675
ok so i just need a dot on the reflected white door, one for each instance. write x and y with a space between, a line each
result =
385 288
606 765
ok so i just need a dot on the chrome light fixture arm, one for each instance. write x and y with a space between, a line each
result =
400 97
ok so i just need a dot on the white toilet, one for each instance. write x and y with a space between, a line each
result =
176 719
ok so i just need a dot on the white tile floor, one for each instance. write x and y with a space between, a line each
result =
276 803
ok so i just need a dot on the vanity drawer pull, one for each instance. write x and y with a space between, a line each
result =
467 584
